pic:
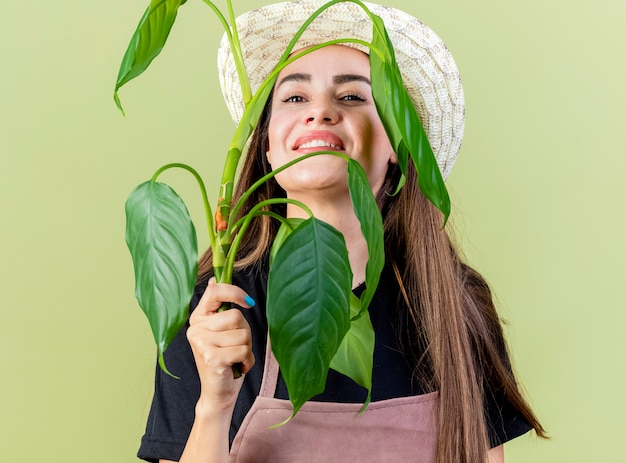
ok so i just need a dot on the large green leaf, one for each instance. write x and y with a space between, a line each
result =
401 120
147 41
308 308
162 241
381 91
355 356
367 212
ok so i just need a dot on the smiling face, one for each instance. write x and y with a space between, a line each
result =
323 101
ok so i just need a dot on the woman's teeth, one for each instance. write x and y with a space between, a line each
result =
319 144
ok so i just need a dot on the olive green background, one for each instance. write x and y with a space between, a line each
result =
537 197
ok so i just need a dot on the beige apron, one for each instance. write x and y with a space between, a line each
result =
393 430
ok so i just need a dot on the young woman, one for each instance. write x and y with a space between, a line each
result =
443 390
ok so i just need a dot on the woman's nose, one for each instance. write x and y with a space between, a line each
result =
322 112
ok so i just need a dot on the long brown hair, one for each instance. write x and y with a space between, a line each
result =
450 325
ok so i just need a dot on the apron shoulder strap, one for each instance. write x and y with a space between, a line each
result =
270 372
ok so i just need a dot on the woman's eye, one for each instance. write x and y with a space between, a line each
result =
352 97
293 99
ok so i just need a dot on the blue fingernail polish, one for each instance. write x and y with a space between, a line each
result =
250 301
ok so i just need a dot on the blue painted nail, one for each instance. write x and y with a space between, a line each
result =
250 301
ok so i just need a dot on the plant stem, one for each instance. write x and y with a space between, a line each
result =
221 18
235 46
205 200
254 212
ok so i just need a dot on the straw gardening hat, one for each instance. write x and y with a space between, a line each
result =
429 72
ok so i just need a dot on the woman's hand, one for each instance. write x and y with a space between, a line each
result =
218 341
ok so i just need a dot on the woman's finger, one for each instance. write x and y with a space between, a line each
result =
218 293
203 338
216 350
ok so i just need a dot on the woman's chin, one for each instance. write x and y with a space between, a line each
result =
314 178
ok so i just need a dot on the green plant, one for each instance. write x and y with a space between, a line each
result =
330 328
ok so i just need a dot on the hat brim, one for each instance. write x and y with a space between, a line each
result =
428 69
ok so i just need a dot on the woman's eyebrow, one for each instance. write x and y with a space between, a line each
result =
295 77
347 78
337 80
